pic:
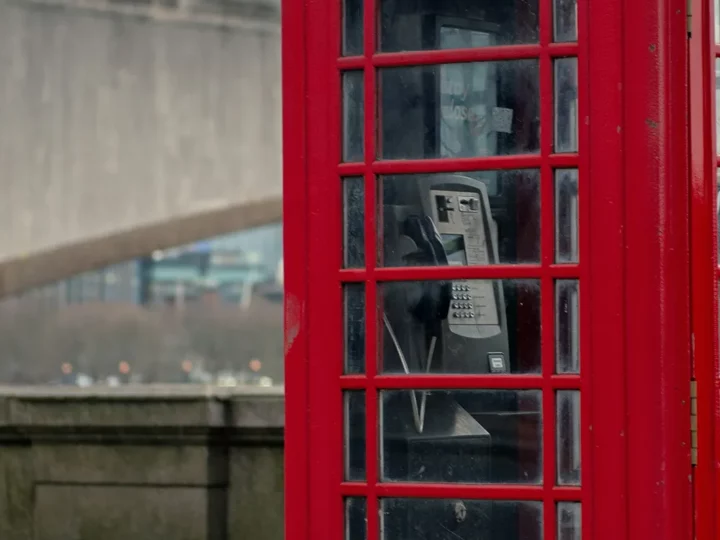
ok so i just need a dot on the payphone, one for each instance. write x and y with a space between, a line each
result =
443 220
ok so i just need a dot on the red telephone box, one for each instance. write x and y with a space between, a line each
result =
501 267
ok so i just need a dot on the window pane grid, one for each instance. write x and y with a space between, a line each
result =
546 51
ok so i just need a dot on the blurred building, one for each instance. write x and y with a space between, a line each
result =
230 267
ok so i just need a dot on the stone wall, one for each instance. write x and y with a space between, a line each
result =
180 463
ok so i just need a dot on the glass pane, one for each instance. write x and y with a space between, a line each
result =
353 112
459 110
464 326
568 437
354 328
354 222
354 436
486 217
566 100
454 519
355 518
566 216
569 518
463 436
717 21
565 20
456 25
353 27
567 326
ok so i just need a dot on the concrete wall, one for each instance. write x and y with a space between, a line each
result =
180 463
128 126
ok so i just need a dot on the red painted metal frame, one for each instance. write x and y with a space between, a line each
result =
704 265
297 480
634 328
546 271
606 328
656 272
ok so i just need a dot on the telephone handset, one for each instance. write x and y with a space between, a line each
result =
446 220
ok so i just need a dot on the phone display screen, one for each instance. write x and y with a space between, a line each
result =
454 245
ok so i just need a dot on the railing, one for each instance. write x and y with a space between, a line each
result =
141 462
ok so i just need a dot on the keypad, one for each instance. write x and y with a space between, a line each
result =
462 305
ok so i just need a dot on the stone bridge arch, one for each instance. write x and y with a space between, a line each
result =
128 126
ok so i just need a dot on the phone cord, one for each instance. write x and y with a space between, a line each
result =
418 412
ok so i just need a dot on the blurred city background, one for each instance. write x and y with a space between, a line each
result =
141 290
128 126
208 313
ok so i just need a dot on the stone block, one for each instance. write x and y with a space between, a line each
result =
121 512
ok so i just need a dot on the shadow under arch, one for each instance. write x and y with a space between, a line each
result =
45 267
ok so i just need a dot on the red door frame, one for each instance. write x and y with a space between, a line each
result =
656 270
704 264
635 330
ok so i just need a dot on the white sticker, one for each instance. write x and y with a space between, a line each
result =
502 119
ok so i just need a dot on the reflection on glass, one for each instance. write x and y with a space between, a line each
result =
567 326
464 326
203 313
568 437
456 25
566 216
565 20
484 217
717 21
459 110
353 107
452 519
462 436
566 105
569 517
355 518
354 328
352 27
353 222
354 436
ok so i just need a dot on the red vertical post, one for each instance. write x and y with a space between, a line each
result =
703 250
656 272
294 85
602 186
